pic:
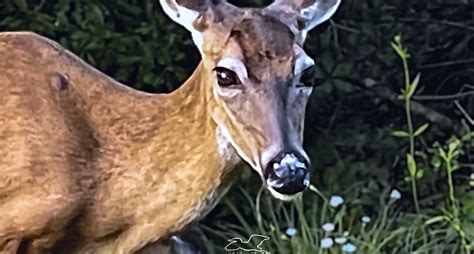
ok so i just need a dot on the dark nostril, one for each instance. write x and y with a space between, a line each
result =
293 184
284 161
287 173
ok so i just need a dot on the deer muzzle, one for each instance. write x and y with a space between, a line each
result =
287 173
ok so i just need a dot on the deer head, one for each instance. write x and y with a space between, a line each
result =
253 60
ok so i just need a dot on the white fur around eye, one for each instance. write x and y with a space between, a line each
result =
228 93
235 65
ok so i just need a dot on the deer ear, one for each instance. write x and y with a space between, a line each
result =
304 15
317 13
194 15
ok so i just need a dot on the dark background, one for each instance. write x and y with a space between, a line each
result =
354 108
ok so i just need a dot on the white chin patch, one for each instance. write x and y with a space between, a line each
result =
283 197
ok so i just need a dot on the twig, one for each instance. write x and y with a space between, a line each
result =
416 107
442 97
346 28
442 22
445 64
464 112
334 115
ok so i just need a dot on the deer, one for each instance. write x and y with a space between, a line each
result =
90 165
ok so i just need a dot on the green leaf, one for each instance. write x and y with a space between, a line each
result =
436 162
453 146
442 153
99 15
420 173
468 137
21 4
343 70
455 165
343 86
400 134
411 165
414 85
128 60
398 50
435 219
421 129
398 39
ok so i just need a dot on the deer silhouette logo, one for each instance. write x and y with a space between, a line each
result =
252 245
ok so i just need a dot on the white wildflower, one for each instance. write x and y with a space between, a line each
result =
340 240
326 243
395 194
291 231
366 219
349 248
328 227
336 201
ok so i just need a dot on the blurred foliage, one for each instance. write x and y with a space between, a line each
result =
132 41
355 107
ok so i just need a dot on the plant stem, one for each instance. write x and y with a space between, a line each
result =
407 106
412 153
454 206
451 188
410 131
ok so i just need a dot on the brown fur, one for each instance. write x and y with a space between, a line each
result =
88 165
259 46
92 162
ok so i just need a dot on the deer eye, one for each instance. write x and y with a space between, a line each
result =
226 77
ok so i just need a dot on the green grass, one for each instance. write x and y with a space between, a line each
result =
389 230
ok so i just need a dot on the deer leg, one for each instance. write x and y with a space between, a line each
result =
175 245
185 242
162 247
190 241
45 243
36 220
9 245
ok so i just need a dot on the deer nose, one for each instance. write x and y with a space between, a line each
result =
287 173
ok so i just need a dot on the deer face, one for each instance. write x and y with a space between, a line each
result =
253 60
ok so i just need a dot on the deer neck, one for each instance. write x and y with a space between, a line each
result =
183 160
171 127
189 128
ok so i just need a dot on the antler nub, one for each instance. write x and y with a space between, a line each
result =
303 15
